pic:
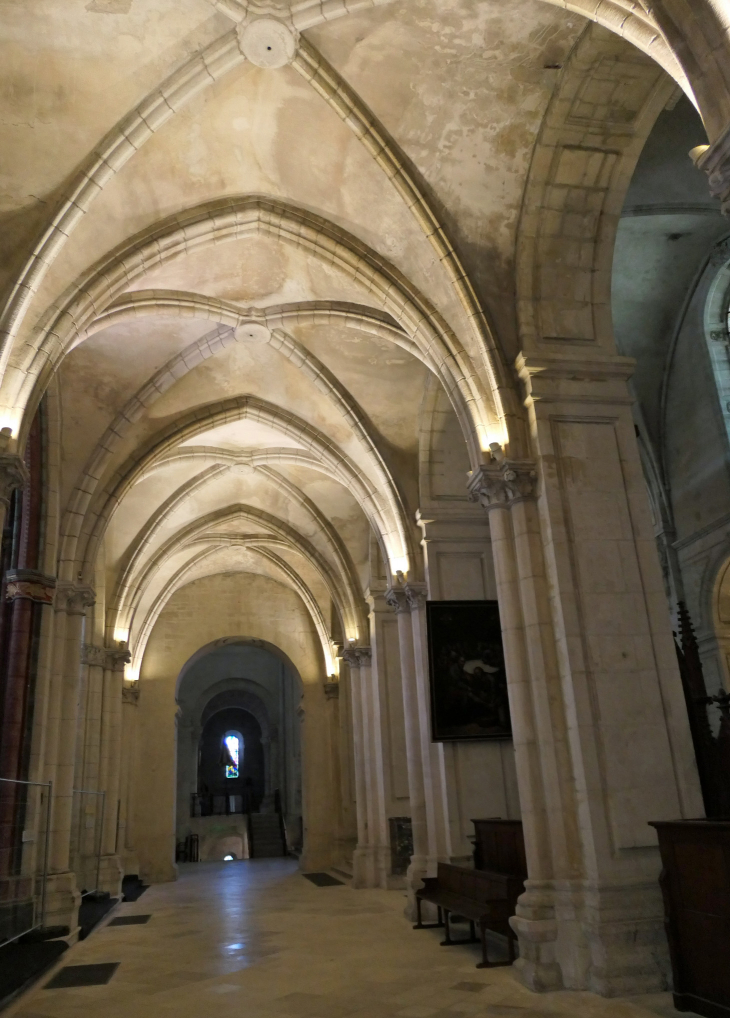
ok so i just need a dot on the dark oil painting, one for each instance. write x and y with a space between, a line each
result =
468 678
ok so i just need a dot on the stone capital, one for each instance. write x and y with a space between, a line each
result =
397 600
13 474
119 656
30 585
357 656
130 693
416 595
105 657
501 485
714 160
92 655
74 598
331 691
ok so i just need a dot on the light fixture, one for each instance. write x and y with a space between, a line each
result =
227 858
399 565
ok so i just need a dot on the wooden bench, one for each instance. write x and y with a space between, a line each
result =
482 898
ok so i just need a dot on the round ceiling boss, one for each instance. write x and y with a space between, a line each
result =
267 43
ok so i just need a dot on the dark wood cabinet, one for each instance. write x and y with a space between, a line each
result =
695 882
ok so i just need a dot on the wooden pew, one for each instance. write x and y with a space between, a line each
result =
480 897
499 850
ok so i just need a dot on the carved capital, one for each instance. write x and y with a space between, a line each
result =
119 656
13 474
397 600
714 160
503 484
31 585
130 693
92 655
113 658
357 656
74 599
331 691
415 595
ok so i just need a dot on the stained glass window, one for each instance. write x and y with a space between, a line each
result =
233 744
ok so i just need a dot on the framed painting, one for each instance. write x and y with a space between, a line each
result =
467 672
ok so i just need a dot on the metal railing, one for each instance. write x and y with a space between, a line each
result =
25 825
87 834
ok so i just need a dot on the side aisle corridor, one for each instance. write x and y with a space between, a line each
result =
260 940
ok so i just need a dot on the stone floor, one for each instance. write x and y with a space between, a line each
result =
260 941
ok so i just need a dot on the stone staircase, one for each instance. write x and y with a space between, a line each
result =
265 840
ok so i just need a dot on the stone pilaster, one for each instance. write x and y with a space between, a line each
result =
126 846
600 731
71 603
110 777
362 861
398 601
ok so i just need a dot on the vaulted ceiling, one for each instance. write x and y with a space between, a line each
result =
266 272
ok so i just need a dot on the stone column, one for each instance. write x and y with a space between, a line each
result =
389 732
601 735
398 601
377 820
29 595
111 871
86 833
362 870
373 839
332 711
71 604
126 846
537 728
432 753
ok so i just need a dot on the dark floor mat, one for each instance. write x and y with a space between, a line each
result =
22 964
323 880
132 888
91 912
83 975
130 920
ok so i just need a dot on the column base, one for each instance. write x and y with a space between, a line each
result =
363 867
371 867
111 872
608 939
415 875
62 901
537 967
611 938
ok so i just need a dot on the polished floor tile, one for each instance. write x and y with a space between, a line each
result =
259 939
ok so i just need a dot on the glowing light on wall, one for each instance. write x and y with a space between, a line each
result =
399 565
489 435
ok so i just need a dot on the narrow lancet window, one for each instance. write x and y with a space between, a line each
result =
233 753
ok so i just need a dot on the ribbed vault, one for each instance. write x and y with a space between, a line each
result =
245 278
